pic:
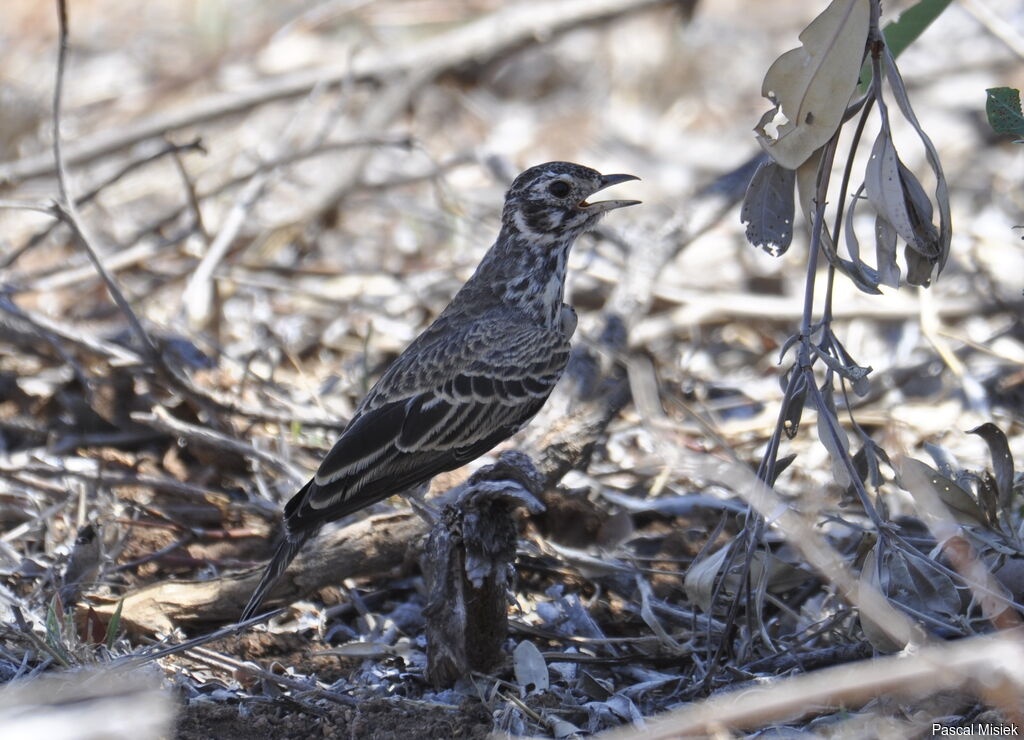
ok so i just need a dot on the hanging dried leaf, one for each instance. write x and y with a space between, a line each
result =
856 374
863 275
810 86
917 582
807 185
833 436
885 253
866 460
768 208
846 367
945 231
794 406
926 241
898 197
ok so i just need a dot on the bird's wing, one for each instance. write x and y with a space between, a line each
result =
434 410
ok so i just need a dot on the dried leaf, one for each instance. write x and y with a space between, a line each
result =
865 462
777 575
945 231
920 210
700 579
987 493
530 669
647 614
794 406
780 467
811 85
945 461
917 582
858 375
919 267
896 196
909 579
807 186
874 634
832 435
768 208
1002 459
847 368
918 478
598 689
1011 575
885 253
863 275
562 728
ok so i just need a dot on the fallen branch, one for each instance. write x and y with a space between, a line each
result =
372 547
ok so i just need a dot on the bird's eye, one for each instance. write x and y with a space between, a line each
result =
559 188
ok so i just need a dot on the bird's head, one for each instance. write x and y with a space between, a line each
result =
549 202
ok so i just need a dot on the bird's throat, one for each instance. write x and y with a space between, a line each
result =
534 280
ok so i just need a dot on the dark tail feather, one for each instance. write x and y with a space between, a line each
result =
286 551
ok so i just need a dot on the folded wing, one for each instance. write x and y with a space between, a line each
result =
483 393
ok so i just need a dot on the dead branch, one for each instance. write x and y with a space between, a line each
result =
168 148
372 547
468 566
161 419
66 210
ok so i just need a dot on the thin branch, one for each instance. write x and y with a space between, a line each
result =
66 209
169 148
161 419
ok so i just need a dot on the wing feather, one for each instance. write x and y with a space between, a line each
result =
427 418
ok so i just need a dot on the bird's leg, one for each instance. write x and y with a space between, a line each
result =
427 512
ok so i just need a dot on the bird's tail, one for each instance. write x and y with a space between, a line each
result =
286 551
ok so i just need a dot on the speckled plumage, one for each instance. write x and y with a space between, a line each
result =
475 376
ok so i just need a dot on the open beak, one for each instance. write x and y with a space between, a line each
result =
607 205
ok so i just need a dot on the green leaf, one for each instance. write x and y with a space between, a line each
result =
113 626
912 23
1003 110
902 32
